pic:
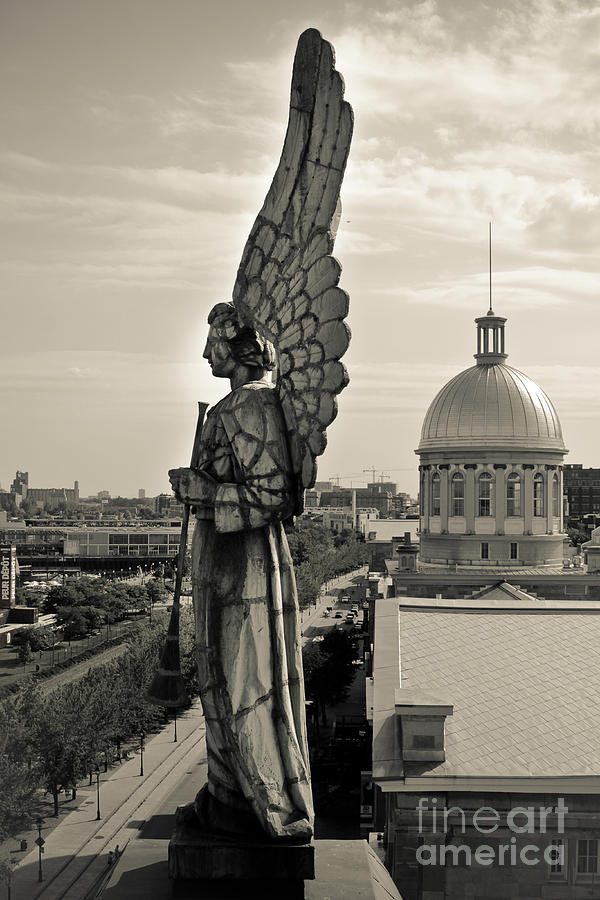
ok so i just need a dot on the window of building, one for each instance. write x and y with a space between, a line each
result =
555 496
538 494
514 550
485 550
486 495
457 494
587 856
513 495
557 858
435 494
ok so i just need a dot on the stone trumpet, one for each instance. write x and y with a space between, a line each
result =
167 687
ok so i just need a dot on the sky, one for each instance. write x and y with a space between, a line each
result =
139 139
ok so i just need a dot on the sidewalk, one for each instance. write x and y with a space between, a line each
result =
75 856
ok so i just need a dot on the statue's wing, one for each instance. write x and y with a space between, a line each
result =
286 285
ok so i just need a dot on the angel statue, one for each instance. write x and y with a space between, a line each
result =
279 343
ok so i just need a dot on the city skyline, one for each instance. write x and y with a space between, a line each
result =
136 158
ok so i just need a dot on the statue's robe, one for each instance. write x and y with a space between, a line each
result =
247 624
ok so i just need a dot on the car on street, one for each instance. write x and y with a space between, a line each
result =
350 617
345 598
338 615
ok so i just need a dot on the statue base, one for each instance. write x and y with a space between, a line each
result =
218 864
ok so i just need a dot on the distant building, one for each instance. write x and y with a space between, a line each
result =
338 520
485 753
141 494
51 498
491 455
582 490
8 575
19 487
311 499
337 497
168 505
139 542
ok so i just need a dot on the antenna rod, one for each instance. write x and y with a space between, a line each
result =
490 246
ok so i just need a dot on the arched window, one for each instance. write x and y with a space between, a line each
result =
435 494
486 495
513 495
556 496
538 494
457 494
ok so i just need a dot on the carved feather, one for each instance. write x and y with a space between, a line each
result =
286 286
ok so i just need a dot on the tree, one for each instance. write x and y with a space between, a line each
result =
577 536
24 653
18 778
329 670
62 596
73 620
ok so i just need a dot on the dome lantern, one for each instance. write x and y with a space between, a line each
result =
490 339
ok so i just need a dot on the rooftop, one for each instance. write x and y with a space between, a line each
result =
522 675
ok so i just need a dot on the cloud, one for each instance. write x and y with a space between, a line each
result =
525 288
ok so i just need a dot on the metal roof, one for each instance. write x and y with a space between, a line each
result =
488 405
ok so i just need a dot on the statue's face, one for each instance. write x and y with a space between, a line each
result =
218 354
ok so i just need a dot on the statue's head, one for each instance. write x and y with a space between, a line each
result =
231 344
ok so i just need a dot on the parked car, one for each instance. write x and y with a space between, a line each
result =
338 615
345 598
350 617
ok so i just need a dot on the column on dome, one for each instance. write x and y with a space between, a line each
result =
425 498
560 498
549 507
500 474
444 492
470 498
528 499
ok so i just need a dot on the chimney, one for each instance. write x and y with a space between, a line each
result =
421 720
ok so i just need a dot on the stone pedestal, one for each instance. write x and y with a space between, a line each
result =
219 864
345 870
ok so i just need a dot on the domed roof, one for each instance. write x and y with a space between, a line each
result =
491 404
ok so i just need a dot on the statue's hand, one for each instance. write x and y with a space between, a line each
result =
191 486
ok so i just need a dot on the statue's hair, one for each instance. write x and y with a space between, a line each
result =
246 345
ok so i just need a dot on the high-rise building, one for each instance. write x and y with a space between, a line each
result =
141 494
582 490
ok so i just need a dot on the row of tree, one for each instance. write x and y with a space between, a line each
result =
320 555
84 604
51 740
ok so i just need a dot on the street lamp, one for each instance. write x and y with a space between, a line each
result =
142 753
175 733
40 842
98 793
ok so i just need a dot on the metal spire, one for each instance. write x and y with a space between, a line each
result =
491 311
